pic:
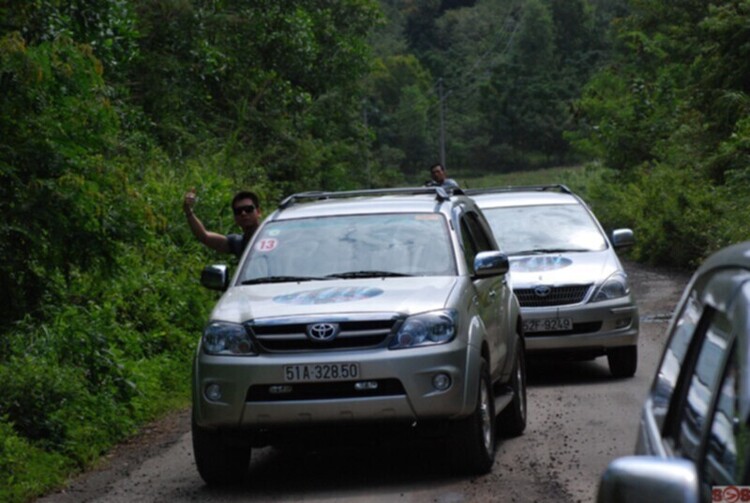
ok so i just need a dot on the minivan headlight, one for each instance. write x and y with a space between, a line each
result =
223 338
614 287
426 329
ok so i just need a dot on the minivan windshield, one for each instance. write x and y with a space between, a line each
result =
521 230
350 246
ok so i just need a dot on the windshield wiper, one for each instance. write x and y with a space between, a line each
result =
368 274
280 279
539 251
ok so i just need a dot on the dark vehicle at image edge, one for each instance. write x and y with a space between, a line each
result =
354 310
693 442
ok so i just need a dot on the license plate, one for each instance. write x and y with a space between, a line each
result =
548 325
318 372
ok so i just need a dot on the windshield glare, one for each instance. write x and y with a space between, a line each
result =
523 229
409 244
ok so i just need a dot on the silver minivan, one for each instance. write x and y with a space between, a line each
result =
571 285
361 308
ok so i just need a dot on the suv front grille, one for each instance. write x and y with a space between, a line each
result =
556 296
279 337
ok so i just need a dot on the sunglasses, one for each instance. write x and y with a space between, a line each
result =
239 210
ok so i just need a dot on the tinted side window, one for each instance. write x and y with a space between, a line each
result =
478 232
674 357
728 440
703 383
726 447
470 248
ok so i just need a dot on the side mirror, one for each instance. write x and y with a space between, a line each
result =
649 478
491 263
215 277
622 238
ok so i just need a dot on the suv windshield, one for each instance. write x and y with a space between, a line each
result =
544 229
416 244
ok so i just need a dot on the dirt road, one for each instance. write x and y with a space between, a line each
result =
579 419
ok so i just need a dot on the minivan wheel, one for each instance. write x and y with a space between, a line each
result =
472 441
623 361
512 420
218 461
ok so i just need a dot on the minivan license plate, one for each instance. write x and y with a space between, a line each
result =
317 372
548 325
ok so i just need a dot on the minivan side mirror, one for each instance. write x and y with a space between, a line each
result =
491 263
622 238
215 277
649 478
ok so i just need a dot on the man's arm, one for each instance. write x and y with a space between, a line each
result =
213 240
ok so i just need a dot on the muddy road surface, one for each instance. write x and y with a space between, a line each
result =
580 418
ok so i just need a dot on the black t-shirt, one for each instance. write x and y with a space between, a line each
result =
237 243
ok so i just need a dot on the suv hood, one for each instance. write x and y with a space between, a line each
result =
406 295
578 268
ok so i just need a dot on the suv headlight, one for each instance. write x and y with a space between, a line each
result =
615 286
223 338
426 329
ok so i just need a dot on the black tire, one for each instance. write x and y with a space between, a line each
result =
623 361
472 440
512 420
219 462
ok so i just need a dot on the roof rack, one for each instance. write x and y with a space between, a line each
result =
441 194
520 188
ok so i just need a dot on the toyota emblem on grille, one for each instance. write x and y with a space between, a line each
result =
542 290
322 332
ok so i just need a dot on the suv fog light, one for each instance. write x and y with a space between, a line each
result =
622 322
365 385
213 392
279 389
441 382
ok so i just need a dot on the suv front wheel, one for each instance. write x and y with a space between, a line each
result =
472 441
512 420
218 461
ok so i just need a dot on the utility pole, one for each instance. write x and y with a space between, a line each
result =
367 151
442 123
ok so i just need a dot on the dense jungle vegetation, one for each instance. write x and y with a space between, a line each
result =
111 109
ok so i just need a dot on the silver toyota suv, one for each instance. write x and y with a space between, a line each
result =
356 309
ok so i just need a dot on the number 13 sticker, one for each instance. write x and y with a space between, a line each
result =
266 245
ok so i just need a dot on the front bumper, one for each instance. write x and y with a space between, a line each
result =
405 376
596 326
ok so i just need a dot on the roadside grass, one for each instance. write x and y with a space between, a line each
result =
575 177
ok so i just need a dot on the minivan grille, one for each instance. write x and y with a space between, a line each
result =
552 296
279 337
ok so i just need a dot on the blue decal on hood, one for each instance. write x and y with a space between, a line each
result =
540 263
329 295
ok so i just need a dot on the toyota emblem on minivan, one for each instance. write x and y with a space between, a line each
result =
542 290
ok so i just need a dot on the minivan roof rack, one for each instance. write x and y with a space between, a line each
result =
441 194
521 188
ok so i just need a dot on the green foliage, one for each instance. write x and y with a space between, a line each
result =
398 108
278 78
24 469
672 227
509 70
55 125
670 116
109 111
